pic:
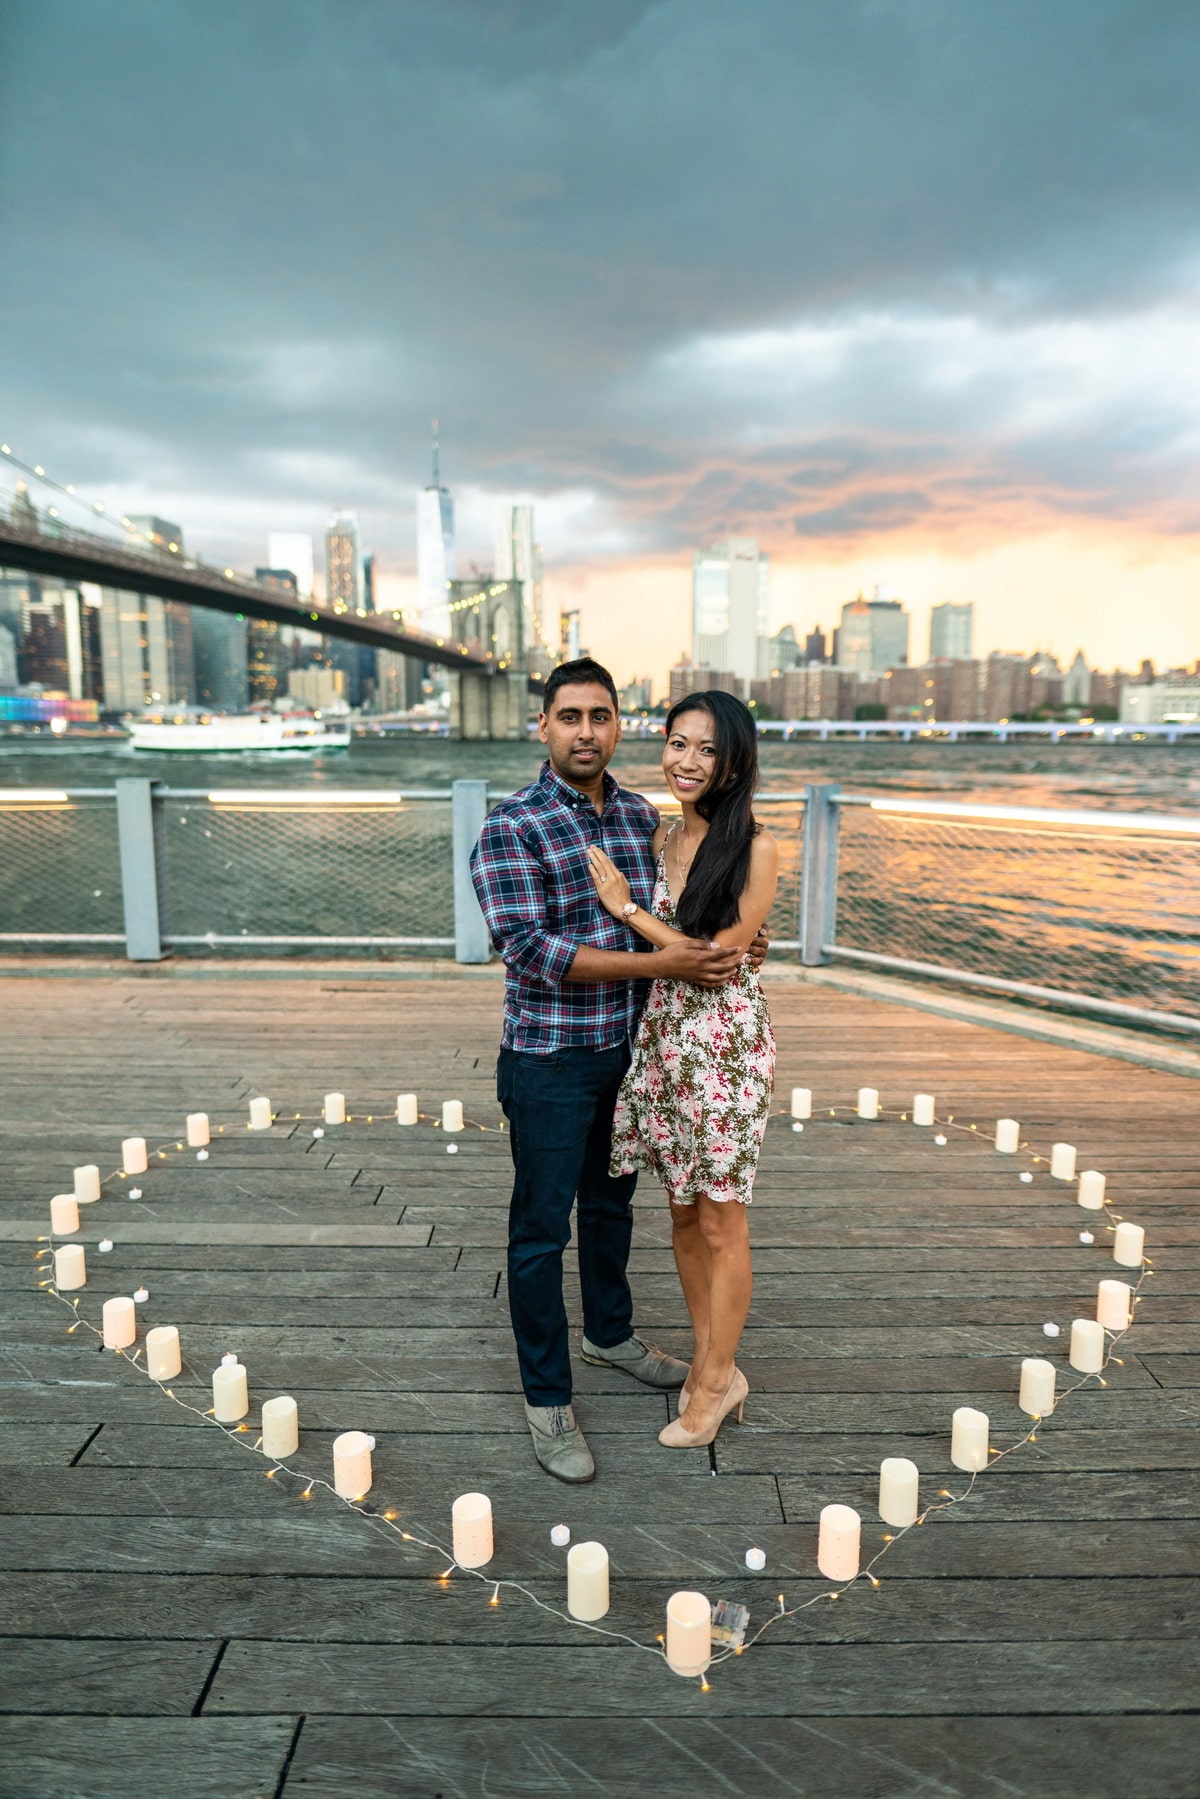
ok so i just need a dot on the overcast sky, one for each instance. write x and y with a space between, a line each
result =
907 288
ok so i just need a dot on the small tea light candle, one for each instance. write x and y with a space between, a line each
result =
163 1360
1087 1346
452 1115
801 1102
406 1108
471 1520
1091 1190
260 1113
923 1108
198 1134
280 1427
1049 1329
119 1323
335 1108
756 1560
689 1634
560 1535
898 1485
1036 1394
352 1464
1008 1136
1112 1305
969 1439
87 1184
64 1214
1129 1245
231 1400
838 1541
70 1269
133 1155
587 1581
868 1102
1062 1161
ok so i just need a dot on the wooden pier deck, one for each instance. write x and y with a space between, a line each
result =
178 1625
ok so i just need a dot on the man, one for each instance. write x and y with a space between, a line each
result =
572 995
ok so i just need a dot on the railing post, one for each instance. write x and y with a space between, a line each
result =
818 873
468 806
139 870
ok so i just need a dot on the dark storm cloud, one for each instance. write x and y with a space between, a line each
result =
250 249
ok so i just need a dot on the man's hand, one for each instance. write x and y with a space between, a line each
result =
704 964
756 955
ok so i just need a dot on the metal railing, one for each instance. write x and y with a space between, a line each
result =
1089 911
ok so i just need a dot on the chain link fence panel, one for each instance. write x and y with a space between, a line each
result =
1087 910
60 872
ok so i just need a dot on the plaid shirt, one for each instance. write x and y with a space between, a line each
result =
531 874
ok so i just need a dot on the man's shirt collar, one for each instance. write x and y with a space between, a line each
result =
571 796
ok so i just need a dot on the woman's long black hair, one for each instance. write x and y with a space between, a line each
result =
718 876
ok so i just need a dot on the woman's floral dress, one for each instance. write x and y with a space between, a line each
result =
693 1107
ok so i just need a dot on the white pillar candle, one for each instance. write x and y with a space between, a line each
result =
64 1214
197 1130
969 1439
406 1108
587 1581
119 1323
163 1360
452 1115
260 1113
70 1269
1091 1190
689 1634
1112 1305
1062 1161
87 1184
898 1483
1129 1245
1087 1346
133 1155
923 1108
868 1102
471 1521
1008 1136
838 1541
801 1102
280 1427
352 1464
1036 1394
335 1108
231 1401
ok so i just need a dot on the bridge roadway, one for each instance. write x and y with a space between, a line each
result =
81 556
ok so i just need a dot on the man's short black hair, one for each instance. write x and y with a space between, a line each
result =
574 674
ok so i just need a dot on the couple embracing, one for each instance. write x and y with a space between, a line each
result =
636 1036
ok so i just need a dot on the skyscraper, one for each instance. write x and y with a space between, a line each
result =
293 550
872 636
146 643
220 651
436 562
343 565
952 631
729 607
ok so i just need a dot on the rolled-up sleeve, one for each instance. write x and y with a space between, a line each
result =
510 885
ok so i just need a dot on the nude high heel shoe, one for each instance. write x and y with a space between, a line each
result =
676 1436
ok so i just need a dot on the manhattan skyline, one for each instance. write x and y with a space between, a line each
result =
905 291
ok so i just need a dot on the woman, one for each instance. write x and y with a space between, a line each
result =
693 1106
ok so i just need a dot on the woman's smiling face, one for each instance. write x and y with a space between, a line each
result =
690 755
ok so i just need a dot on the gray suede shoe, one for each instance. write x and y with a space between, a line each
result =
642 1360
559 1444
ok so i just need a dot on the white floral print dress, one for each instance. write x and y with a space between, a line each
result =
693 1107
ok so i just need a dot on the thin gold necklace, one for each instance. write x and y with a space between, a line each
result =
684 868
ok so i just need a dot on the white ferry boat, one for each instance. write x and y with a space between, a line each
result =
239 733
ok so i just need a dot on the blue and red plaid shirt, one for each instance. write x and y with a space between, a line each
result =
531 875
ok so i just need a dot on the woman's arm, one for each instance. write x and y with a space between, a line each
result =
612 890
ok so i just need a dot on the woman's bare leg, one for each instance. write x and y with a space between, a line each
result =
695 1277
725 1230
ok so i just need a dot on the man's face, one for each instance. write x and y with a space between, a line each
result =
581 731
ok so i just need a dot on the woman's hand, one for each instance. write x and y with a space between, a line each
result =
611 886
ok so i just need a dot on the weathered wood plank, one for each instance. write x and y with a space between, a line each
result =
59 1674
59 1757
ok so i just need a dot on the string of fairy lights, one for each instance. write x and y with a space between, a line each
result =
389 1520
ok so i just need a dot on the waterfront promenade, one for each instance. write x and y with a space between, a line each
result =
180 1625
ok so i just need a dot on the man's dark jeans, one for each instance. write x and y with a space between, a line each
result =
560 1114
